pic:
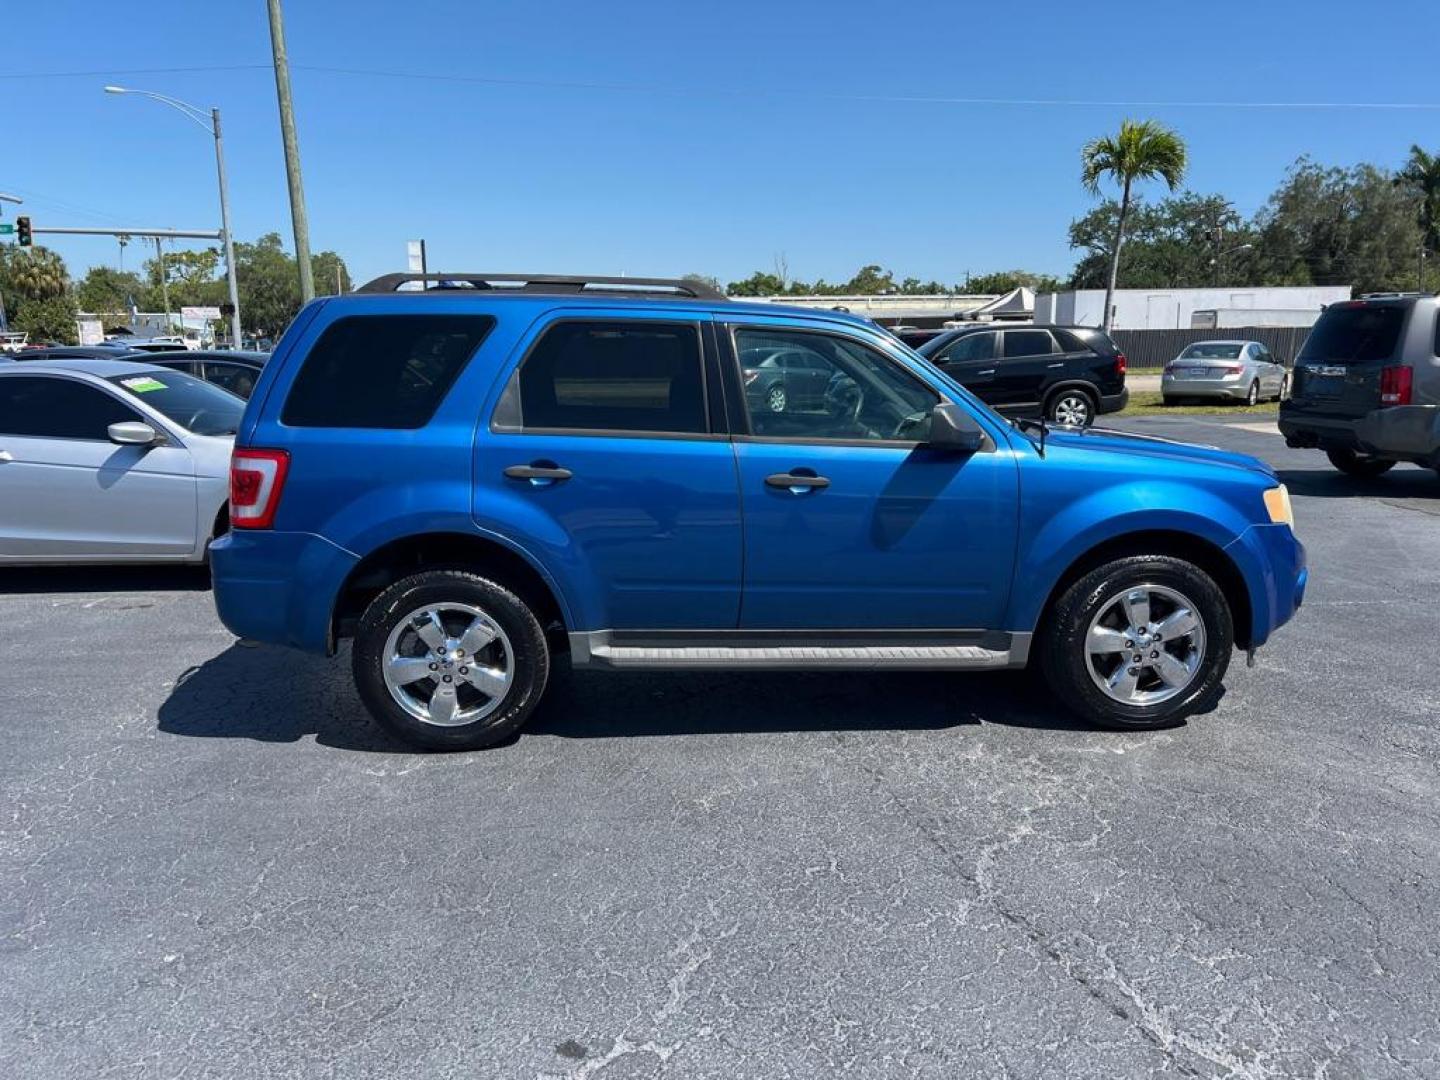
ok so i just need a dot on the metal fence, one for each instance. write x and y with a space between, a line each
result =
1152 349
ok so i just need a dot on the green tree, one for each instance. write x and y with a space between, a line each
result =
1004 281
105 289
1421 178
37 273
1332 226
757 284
269 285
330 273
1141 150
1181 242
50 318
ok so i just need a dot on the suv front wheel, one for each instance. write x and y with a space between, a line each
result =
449 660
1141 642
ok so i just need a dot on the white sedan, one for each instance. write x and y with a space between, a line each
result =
105 461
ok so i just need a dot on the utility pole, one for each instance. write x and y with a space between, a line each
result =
164 282
292 152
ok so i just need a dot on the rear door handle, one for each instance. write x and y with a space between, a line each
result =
987 371
1057 365
539 475
5 455
796 482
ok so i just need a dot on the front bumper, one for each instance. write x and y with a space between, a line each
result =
278 587
1273 562
1405 432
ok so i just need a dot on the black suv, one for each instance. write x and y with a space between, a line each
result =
1069 374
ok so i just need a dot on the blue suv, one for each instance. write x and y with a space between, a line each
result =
467 474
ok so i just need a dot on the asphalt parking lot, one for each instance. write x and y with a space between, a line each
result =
212 865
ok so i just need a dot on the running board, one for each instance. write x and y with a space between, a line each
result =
601 649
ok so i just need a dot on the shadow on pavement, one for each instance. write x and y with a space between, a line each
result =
102 579
281 695
1401 482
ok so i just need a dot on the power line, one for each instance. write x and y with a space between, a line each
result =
749 92
894 99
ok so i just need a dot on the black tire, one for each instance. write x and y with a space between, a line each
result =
528 663
1284 388
1361 466
1252 396
1070 402
1065 659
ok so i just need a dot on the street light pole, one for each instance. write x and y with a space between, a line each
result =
211 122
298 218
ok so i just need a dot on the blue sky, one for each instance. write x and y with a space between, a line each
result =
690 137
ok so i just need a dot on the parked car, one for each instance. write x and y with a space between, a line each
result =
1367 385
73 352
104 461
1068 374
1239 371
157 345
624 498
233 371
915 336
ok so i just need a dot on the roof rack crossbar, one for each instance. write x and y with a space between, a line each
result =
546 283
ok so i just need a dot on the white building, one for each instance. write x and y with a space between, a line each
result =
1174 309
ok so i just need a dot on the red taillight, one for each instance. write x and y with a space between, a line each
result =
1396 384
1120 363
256 479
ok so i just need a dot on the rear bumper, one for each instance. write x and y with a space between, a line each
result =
1405 432
278 587
1276 574
1114 402
1172 387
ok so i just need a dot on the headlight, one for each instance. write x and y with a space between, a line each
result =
1277 502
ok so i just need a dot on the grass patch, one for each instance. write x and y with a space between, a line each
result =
1151 403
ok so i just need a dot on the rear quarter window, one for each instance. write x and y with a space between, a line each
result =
382 371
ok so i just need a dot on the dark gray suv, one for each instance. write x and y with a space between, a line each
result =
1366 387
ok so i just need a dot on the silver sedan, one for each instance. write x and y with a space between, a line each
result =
1244 371
104 461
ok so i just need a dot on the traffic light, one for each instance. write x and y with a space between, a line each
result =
22 231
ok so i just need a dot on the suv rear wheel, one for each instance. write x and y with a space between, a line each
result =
1071 407
1361 465
1141 642
449 660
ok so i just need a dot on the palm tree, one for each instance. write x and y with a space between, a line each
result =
1143 150
1421 177
38 274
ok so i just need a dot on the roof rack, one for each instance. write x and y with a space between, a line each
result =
545 283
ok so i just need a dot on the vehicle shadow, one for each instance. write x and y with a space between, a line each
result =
281 695
1401 482
103 579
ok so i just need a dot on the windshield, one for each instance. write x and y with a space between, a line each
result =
1361 334
1211 350
195 405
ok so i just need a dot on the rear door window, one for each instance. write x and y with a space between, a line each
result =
621 376
382 371
1020 343
1362 334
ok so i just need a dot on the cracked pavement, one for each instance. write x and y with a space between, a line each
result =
212 865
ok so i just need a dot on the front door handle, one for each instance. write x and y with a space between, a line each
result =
987 371
539 475
1061 364
798 483
5 455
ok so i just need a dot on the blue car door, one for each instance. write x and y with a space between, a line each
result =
606 456
850 522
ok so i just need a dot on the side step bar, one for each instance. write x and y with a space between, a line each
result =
600 649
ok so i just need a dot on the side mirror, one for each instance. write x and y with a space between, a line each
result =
133 433
952 428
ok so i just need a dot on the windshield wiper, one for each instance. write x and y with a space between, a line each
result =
1031 424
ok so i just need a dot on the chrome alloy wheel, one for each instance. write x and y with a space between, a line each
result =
775 398
448 664
1145 645
1072 410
